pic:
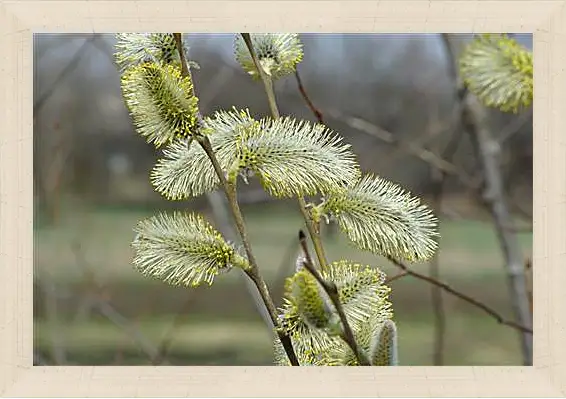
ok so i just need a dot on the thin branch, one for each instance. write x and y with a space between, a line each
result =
317 113
396 277
230 192
320 118
268 85
332 292
408 272
421 153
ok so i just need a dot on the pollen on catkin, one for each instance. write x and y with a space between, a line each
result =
365 301
182 249
161 102
381 217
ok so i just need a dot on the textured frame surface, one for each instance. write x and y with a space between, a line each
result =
545 19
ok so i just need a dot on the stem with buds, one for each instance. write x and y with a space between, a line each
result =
332 291
330 288
230 192
268 85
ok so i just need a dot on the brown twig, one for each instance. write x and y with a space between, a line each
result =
331 227
317 113
332 292
396 277
408 272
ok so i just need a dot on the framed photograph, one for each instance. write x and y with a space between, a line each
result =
198 197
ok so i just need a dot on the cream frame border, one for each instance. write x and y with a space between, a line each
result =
19 19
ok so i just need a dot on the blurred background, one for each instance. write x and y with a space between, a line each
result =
391 96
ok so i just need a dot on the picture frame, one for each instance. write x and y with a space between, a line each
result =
545 19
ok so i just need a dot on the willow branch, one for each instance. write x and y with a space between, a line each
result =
230 192
332 292
268 85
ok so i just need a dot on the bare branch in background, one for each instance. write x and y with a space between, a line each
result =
438 182
409 272
486 150
317 113
514 126
388 137
434 131
444 167
73 63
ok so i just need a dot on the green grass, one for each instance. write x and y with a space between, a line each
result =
471 340
221 325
